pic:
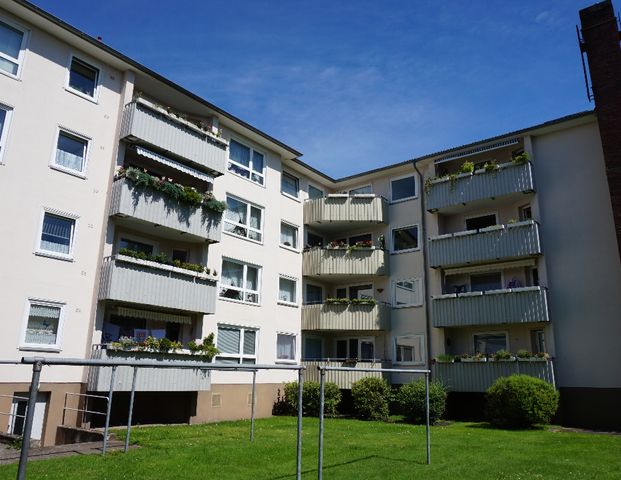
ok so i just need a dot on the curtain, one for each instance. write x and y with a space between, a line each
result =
56 234
232 274
70 152
255 218
42 324
236 211
252 279
257 162
285 347
288 235
287 290
239 153
228 340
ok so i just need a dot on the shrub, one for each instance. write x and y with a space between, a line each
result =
521 401
371 397
411 398
310 398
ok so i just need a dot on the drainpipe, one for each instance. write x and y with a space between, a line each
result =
425 265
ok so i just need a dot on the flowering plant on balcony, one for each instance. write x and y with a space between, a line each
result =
207 349
163 259
150 344
503 356
337 301
337 244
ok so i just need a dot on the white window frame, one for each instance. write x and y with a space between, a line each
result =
484 214
46 253
240 356
22 49
295 348
4 134
323 192
358 353
247 227
89 63
349 190
87 148
421 339
249 168
61 319
241 289
404 199
419 288
288 195
347 286
497 332
295 293
392 238
297 228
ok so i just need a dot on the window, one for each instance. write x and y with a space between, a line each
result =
364 238
538 341
314 193
314 294
313 240
361 190
288 235
70 152
407 293
355 291
83 78
136 246
43 325
243 219
405 238
237 345
484 282
287 290
5 116
11 48
361 348
482 221
313 348
285 347
246 162
410 349
526 213
240 281
289 185
57 235
490 343
180 255
403 188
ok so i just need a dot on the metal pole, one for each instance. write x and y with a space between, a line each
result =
427 417
298 467
254 391
106 428
131 409
32 402
322 382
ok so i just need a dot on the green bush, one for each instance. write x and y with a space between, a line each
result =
411 398
521 401
371 397
310 398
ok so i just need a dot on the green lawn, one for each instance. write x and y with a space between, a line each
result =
353 450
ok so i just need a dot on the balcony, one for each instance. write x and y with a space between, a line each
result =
501 242
338 211
509 180
149 124
355 317
142 282
148 379
149 209
337 264
344 379
479 376
495 307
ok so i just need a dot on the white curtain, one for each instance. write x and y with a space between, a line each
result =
42 324
70 152
56 234
287 290
288 235
232 274
239 153
285 348
252 279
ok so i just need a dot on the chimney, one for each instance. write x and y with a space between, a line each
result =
601 37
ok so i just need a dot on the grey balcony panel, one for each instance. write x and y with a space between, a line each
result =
503 242
325 261
345 317
346 209
148 379
511 306
508 179
140 282
156 208
479 376
145 125
344 379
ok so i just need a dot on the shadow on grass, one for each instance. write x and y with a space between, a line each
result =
489 426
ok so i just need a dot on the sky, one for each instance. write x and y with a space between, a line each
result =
356 85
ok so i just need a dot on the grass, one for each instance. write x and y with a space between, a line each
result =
353 450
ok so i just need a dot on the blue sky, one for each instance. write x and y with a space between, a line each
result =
355 85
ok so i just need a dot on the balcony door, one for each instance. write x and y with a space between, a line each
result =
313 348
360 348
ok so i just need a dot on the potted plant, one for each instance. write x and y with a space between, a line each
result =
467 167
524 356
520 158
542 357
445 358
503 356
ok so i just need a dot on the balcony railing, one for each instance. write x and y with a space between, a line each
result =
508 179
510 241
151 125
495 307
344 379
326 316
127 279
479 376
148 379
154 208
341 261
346 209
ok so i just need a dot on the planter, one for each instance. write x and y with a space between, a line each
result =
473 360
532 359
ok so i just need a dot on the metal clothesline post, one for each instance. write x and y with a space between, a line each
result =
109 410
32 401
131 409
254 388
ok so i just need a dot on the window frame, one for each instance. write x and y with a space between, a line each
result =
40 347
404 199
297 180
4 134
242 289
22 49
249 168
405 250
421 338
248 228
295 292
240 356
91 64
297 236
358 355
47 253
497 332
295 348
420 299
87 148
